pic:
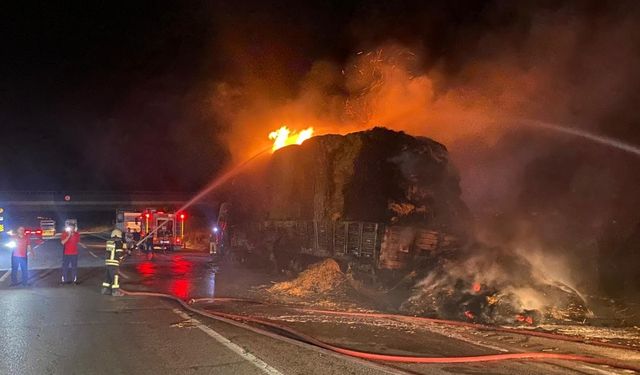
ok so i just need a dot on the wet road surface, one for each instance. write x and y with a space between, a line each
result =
52 329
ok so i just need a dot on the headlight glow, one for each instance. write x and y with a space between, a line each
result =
11 244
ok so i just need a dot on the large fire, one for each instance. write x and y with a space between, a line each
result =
284 137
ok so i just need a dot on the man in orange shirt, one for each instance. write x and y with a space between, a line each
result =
70 240
19 258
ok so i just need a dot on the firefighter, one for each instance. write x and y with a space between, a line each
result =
114 253
129 240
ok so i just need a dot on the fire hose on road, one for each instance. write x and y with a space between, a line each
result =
547 335
237 320
419 319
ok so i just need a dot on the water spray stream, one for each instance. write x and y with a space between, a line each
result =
611 142
208 189
222 179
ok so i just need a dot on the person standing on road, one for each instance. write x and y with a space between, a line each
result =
114 253
19 258
136 239
149 246
70 240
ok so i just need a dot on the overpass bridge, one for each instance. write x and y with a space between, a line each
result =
96 200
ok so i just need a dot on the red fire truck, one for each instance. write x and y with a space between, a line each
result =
168 227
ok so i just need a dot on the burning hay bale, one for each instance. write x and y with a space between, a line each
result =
321 278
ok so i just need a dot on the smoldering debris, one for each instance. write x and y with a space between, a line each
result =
492 285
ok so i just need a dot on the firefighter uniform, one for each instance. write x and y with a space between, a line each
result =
113 255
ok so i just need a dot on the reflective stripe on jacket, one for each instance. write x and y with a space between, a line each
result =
114 252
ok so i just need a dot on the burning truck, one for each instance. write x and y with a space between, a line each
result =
377 200
387 206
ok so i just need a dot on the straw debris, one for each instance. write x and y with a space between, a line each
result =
320 278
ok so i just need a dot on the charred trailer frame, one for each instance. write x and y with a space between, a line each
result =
367 246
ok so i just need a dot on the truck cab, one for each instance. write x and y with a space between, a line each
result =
48 228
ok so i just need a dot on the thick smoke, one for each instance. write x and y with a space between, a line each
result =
473 85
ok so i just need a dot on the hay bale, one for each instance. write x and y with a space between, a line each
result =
320 278
378 175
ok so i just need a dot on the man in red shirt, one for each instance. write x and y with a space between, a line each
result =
70 240
19 258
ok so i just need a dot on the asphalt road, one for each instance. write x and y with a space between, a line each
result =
52 329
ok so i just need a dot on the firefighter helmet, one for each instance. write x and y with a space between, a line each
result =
116 233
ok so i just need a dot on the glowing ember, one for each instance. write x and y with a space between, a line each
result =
524 319
284 137
469 314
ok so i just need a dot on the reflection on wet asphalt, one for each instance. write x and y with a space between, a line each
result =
184 276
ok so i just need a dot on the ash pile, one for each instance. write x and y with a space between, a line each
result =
387 207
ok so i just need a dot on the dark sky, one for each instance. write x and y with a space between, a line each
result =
108 95
117 95
98 96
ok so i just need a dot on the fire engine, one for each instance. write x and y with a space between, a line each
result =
168 226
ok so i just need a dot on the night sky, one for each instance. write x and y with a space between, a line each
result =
121 95
97 96
109 95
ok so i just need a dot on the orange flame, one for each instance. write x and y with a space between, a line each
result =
284 137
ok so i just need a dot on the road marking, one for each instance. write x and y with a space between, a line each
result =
92 254
597 369
4 277
230 345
